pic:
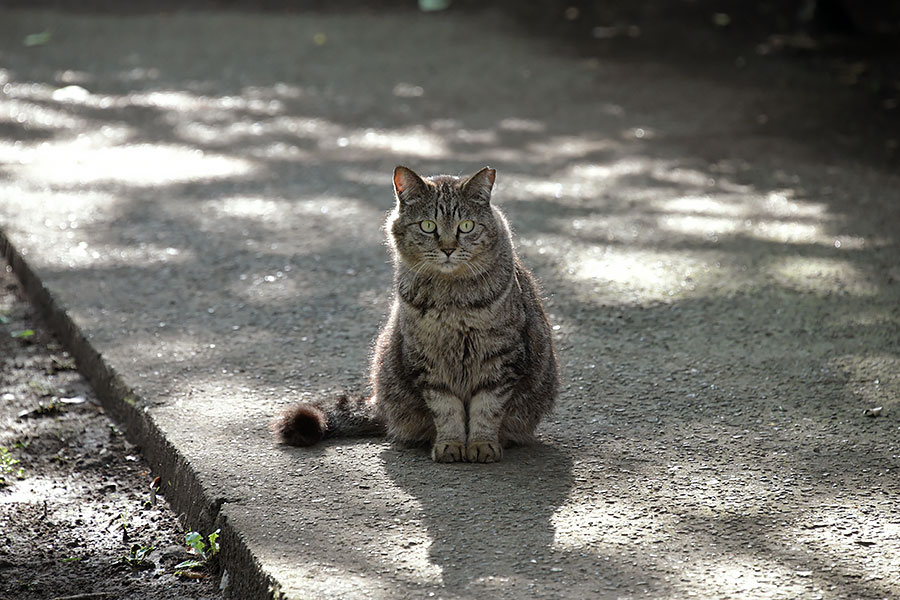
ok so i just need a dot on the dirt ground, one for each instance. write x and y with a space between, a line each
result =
75 506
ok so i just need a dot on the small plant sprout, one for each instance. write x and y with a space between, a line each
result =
154 490
204 550
121 521
8 466
137 555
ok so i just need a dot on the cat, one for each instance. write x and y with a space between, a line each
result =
465 362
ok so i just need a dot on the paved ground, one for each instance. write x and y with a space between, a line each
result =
200 197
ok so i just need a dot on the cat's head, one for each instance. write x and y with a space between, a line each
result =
443 224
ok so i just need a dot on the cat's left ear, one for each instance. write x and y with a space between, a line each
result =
478 187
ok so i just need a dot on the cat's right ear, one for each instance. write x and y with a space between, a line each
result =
407 185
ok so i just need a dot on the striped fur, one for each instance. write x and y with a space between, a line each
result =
465 361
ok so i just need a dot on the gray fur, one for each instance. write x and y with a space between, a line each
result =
465 361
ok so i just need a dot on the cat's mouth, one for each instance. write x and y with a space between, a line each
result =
448 264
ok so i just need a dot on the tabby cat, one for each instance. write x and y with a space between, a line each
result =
465 362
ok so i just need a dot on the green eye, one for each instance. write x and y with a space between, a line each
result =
466 226
428 226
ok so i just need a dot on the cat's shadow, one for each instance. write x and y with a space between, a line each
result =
490 524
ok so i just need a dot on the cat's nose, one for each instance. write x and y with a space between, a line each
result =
448 251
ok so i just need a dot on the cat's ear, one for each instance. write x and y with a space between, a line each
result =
478 187
407 185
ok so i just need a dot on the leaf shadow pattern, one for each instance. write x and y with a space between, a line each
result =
329 142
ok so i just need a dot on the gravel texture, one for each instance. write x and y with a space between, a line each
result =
201 195
76 513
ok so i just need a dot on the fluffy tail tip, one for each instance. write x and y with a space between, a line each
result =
301 425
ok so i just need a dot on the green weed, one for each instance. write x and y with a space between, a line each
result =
204 550
8 466
137 557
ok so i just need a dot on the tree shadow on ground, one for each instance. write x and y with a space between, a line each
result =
689 380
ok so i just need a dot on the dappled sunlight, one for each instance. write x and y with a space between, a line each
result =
704 226
626 273
788 233
66 229
607 173
37 488
697 544
226 129
83 254
403 542
774 217
836 529
329 580
272 211
700 225
568 147
873 377
208 107
517 124
602 523
101 151
742 576
648 274
822 275
415 141
706 206
389 538
216 235
81 162
648 230
70 212
13 110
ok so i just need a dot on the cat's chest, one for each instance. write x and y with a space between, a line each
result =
438 331
455 341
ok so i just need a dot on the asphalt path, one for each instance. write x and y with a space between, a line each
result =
197 199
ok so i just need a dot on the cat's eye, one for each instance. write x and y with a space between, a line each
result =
466 226
428 226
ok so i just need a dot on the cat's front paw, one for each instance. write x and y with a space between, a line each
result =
484 452
448 451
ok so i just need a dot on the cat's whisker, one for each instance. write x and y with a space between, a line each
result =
420 266
480 272
471 269
406 279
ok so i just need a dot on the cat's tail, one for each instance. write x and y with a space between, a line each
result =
346 416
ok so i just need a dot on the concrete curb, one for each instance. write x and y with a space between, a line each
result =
180 483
